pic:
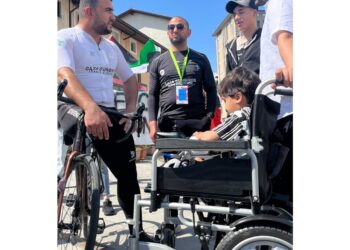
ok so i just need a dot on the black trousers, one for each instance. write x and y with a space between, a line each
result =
120 159
186 126
284 181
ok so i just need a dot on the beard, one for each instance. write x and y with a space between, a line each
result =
101 28
177 41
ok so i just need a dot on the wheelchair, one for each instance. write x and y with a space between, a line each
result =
243 207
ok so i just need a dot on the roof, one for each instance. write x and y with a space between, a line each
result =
134 33
132 11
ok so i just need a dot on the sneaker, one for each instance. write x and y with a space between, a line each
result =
143 236
108 208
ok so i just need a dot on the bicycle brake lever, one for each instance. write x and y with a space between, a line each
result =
61 87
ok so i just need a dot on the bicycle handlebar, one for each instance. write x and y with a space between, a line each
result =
133 116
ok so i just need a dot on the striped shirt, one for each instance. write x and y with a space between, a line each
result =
235 126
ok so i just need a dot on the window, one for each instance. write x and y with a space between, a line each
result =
59 9
133 46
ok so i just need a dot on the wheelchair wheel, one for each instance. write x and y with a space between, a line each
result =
257 237
166 236
79 209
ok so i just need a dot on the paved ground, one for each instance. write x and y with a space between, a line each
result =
116 231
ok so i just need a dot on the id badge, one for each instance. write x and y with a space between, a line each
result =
181 94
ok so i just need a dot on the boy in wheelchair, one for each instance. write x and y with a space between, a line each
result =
237 91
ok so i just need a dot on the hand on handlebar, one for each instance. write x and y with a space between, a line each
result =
284 76
97 122
127 124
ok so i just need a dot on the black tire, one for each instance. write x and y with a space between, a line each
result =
168 237
79 209
257 237
91 201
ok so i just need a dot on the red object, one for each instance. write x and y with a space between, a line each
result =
217 118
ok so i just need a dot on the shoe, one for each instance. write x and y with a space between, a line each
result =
108 208
143 236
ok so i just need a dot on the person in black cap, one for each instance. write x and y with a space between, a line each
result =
245 49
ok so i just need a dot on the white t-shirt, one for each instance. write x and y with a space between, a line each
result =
94 64
279 16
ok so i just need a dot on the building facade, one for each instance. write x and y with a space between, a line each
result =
153 25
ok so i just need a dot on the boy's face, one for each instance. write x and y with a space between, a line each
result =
244 17
234 102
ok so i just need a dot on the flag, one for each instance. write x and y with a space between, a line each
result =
147 54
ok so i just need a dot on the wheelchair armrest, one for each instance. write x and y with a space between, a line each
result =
170 135
186 144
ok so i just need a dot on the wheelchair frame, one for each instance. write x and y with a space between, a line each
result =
251 216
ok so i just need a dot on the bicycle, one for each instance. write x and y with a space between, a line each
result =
80 188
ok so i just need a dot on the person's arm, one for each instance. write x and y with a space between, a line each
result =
153 100
285 47
96 121
209 135
131 93
209 86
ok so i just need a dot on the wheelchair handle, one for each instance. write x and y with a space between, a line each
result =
279 83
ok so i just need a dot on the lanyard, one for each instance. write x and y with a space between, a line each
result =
181 74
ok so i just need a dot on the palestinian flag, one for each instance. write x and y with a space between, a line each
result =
147 54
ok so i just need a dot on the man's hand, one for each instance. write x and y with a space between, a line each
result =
285 75
127 123
285 47
97 122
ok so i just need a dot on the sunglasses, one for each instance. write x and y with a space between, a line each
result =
179 26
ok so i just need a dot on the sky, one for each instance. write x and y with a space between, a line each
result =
204 18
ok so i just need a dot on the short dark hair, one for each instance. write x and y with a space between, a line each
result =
184 19
84 3
240 79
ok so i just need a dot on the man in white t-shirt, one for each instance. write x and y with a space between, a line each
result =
276 61
276 49
88 61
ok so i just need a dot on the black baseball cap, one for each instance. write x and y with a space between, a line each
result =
231 5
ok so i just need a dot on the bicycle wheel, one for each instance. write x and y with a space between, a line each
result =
79 213
91 201
258 237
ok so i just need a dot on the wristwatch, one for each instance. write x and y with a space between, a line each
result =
211 115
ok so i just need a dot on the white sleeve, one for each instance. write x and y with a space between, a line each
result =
65 51
123 70
281 17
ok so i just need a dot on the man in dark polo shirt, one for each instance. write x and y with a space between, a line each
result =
182 85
